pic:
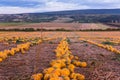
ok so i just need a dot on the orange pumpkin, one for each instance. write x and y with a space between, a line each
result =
71 67
48 70
1 59
83 64
65 72
80 77
57 72
37 76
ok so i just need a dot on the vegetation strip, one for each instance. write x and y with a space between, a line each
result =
20 48
107 47
61 29
63 67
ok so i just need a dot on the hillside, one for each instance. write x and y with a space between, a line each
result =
86 11
82 16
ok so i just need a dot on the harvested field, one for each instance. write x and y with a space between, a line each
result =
54 26
102 64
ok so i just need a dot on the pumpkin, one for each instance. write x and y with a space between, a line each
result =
74 62
57 65
57 72
37 76
76 57
1 59
71 57
58 55
22 51
48 70
83 64
80 77
66 78
54 76
3 55
71 67
12 52
65 72
6 52
52 62
16 49
73 76
46 76
59 61
68 60
54 79
63 60
78 63
63 65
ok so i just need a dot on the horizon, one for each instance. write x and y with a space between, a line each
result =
36 6
59 11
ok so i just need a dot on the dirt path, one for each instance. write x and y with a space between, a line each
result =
21 67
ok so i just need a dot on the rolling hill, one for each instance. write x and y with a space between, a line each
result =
81 16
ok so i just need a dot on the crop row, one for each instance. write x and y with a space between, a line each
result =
107 47
19 48
63 67
26 43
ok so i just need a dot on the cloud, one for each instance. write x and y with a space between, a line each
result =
14 10
103 1
30 6
56 6
48 6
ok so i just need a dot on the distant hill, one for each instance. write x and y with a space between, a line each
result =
88 15
86 11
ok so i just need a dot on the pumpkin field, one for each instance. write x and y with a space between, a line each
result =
60 55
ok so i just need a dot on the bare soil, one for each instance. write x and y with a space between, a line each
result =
22 66
102 64
4 45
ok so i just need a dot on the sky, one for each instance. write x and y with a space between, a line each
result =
32 6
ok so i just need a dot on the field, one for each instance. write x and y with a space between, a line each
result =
11 24
54 26
31 53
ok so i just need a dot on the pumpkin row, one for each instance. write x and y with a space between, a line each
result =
107 47
63 67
